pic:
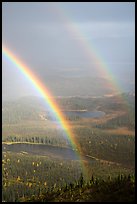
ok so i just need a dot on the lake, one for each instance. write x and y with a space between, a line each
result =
78 114
44 150
84 114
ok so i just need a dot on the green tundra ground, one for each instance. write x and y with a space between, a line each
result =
109 141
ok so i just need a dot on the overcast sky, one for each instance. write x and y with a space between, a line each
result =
63 38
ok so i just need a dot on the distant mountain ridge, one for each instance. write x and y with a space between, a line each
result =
79 86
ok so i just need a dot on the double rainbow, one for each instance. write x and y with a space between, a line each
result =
92 55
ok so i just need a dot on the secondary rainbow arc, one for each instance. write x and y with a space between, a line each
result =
89 50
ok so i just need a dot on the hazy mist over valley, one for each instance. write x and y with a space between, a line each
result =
72 49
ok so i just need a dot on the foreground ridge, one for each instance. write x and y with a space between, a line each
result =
119 189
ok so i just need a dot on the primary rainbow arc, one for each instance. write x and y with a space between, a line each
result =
49 99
